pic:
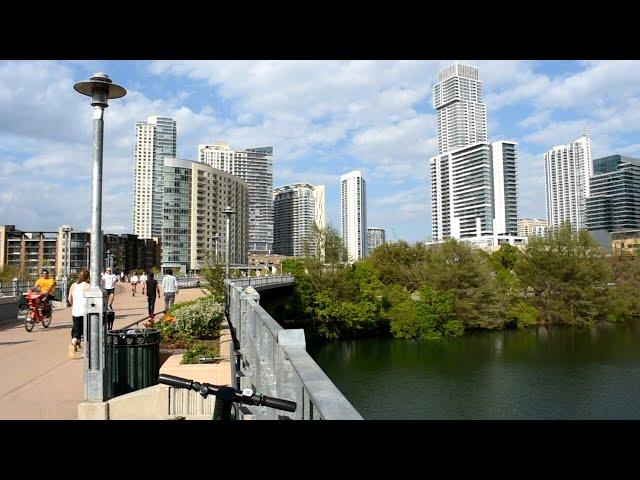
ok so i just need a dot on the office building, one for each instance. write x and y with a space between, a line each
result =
375 238
155 140
567 171
462 116
66 252
532 227
194 229
474 192
613 203
255 167
353 214
298 209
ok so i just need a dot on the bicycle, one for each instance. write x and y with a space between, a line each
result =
227 396
35 312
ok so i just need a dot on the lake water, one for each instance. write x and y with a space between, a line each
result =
536 373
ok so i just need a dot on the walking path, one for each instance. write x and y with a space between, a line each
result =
37 378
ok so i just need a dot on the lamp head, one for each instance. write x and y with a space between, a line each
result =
100 88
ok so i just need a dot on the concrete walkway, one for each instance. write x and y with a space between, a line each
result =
37 379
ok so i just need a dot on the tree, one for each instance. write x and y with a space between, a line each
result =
568 276
213 275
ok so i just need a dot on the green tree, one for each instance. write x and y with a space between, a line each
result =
568 277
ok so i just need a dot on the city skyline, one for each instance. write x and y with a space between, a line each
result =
323 118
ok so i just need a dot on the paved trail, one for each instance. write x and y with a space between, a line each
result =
37 379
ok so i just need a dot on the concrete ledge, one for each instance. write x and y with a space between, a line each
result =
93 411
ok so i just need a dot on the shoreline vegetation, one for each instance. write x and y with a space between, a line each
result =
431 292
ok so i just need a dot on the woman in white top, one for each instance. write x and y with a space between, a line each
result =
77 301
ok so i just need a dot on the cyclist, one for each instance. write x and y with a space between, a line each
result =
45 285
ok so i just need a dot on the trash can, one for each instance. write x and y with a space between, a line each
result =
132 360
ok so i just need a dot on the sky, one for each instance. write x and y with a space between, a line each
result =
323 119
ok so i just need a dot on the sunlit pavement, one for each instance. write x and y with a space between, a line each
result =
37 378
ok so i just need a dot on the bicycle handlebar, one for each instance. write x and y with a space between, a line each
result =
206 388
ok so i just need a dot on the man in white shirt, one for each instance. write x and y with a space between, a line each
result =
170 289
143 278
134 283
109 282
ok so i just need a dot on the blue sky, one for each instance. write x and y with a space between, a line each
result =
323 118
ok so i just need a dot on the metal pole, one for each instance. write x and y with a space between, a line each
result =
228 241
95 295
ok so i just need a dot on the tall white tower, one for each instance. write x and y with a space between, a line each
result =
254 166
155 141
353 209
462 116
567 170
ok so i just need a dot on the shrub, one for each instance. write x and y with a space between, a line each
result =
201 349
201 319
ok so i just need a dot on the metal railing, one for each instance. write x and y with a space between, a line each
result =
258 282
274 361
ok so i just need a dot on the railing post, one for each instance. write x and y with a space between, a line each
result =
289 385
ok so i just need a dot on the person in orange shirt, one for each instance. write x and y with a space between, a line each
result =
46 285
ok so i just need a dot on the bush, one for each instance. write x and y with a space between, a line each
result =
201 349
199 320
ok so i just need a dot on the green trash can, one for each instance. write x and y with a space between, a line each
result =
132 360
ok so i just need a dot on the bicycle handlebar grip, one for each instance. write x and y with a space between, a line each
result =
279 403
177 382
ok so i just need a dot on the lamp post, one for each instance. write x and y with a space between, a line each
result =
107 263
66 269
88 248
100 88
249 266
216 238
228 211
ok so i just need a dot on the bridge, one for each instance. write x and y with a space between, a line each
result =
274 360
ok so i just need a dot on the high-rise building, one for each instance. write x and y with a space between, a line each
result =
462 116
474 191
297 208
613 203
532 227
194 226
375 238
155 140
567 171
254 166
353 214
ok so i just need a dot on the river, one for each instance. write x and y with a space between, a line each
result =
534 373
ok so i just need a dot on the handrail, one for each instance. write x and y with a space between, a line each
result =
274 360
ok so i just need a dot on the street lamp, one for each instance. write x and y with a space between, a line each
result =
100 88
216 238
228 211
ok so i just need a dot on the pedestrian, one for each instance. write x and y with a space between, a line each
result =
77 301
152 289
122 277
134 283
143 278
198 278
109 281
170 289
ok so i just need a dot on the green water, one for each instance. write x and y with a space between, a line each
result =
537 373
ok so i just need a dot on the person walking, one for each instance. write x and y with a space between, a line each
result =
77 301
109 281
143 278
122 277
152 289
170 289
134 283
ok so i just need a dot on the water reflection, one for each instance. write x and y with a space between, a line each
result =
560 372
